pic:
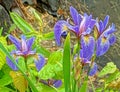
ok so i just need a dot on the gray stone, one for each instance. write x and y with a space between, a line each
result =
5 21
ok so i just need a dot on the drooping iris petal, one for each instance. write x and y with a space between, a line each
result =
74 15
64 34
112 39
102 46
39 62
87 45
57 83
15 41
11 64
93 69
59 27
30 42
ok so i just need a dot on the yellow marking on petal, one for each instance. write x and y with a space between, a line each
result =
96 33
103 40
65 27
86 38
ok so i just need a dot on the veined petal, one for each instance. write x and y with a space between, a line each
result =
106 20
59 27
11 64
112 39
101 27
92 23
74 14
15 41
30 42
88 31
24 43
109 31
57 83
93 69
102 46
39 62
87 45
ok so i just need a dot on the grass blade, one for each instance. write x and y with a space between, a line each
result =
66 64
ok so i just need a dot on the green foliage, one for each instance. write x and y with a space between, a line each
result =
66 64
111 78
53 67
84 87
21 23
19 81
108 69
13 60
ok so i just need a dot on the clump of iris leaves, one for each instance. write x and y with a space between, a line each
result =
27 66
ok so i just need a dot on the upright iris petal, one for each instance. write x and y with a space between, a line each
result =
15 41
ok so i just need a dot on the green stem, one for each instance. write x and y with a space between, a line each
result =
92 86
13 60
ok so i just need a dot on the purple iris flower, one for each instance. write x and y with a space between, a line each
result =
82 25
24 48
105 36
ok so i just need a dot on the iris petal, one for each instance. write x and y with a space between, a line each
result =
93 69
40 62
58 28
57 83
102 46
30 43
11 64
24 44
112 39
101 27
15 41
87 45
74 15
106 21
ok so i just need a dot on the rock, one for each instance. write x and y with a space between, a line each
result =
5 21
51 6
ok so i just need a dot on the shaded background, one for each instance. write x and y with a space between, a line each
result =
59 9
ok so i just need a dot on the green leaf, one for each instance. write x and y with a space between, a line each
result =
19 81
66 64
108 69
21 23
84 87
5 80
1 29
43 51
2 59
5 89
55 57
113 76
47 72
21 63
48 36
